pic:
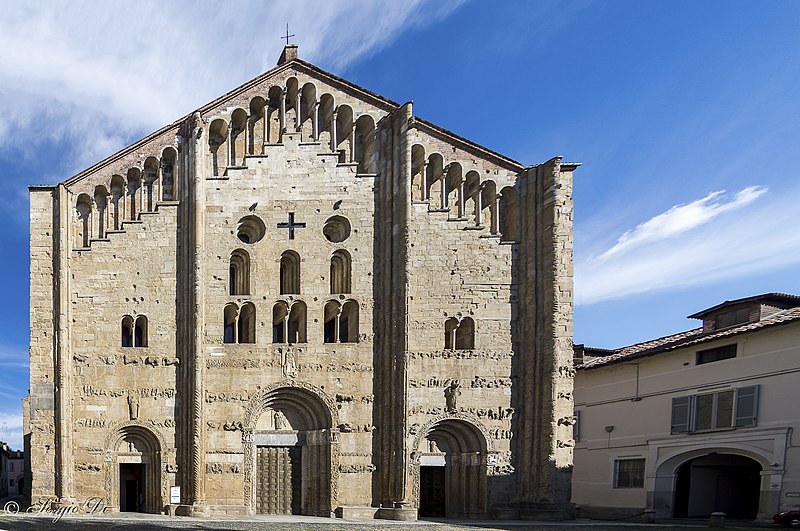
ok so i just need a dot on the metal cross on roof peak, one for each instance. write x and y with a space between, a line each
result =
287 36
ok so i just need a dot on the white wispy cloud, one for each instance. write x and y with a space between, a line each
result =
682 218
98 75
712 239
11 428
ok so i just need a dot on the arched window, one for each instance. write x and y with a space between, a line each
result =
280 317
127 331
465 334
229 316
239 273
132 201
150 183
247 323
140 332
509 215
331 317
117 201
169 158
459 334
348 323
341 322
218 146
340 272
101 205
83 222
297 323
290 273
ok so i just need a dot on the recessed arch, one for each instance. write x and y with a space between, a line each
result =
140 331
238 136
418 163
313 417
117 201
509 214
150 183
246 324
218 146
101 208
83 220
134 182
134 443
365 144
169 161
465 446
340 272
126 332
257 126
239 273
290 273
345 133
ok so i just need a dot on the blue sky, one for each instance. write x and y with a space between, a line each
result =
685 115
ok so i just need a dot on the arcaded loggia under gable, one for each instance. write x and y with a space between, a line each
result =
303 299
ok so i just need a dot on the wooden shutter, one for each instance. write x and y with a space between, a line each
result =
746 406
680 414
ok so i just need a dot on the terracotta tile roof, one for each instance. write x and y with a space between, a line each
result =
684 339
779 298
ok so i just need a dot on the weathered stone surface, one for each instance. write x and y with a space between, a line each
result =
244 280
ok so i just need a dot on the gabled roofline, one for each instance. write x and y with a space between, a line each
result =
792 300
334 80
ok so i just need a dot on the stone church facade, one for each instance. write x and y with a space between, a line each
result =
303 299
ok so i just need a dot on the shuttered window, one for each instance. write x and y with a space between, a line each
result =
746 406
715 411
680 414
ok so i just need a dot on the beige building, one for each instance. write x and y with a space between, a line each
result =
302 298
697 422
12 472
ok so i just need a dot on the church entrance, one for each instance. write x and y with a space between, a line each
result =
452 473
131 487
718 482
289 439
280 473
431 491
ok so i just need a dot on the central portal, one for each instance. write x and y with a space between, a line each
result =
279 487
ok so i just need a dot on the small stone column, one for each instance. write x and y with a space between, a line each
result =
353 143
334 143
315 121
298 111
283 111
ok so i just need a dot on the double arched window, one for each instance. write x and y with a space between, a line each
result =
341 322
240 323
289 322
459 334
134 331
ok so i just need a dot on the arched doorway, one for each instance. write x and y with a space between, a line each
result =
728 483
452 459
133 469
289 452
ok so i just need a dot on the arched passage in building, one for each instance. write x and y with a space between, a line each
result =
133 469
452 459
714 482
288 442
689 473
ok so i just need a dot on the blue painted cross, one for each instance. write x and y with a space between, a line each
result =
291 225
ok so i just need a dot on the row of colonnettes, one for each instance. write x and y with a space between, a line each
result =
454 186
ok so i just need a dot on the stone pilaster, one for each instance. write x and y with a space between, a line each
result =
544 370
197 305
65 465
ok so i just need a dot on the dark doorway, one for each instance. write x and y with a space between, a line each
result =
279 483
131 487
431 491
718 482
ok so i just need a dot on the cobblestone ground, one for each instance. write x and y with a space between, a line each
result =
146 522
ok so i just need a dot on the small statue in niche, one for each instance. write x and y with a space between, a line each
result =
133 403
451 394
280 421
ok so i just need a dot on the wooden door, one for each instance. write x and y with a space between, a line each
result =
279 480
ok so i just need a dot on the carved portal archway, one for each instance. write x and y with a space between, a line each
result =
296 415
135 444
456 448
